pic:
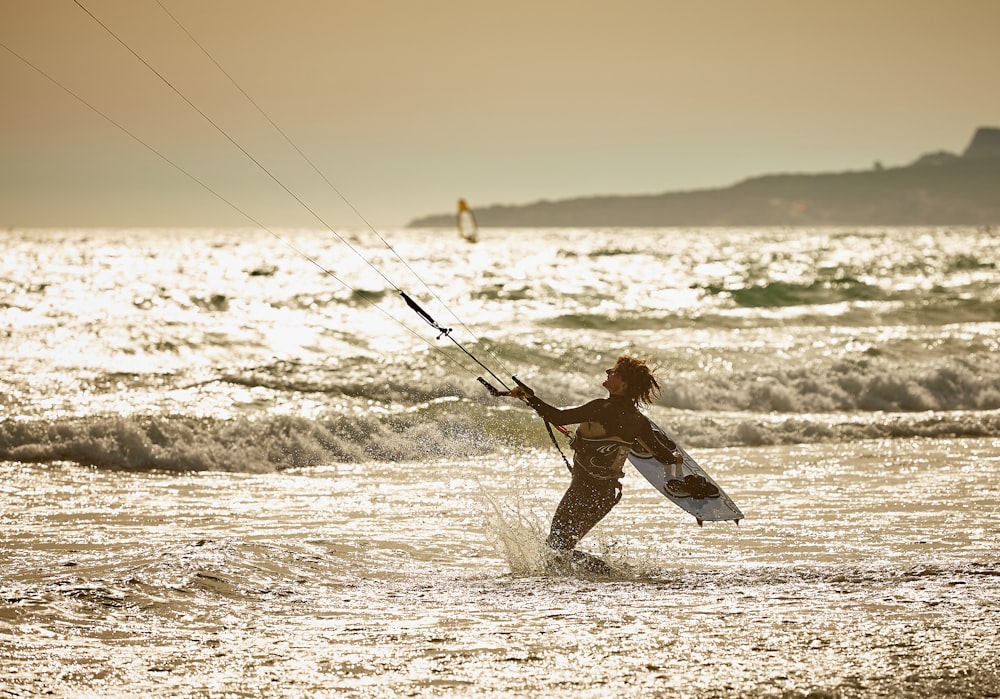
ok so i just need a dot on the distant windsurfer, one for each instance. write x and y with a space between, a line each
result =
468 229
608 430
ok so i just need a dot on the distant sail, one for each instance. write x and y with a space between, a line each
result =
467 226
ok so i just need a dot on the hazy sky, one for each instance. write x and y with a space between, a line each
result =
407 105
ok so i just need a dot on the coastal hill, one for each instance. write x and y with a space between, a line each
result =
937 189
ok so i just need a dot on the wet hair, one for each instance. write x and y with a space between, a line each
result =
643 387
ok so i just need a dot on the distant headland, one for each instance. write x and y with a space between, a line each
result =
938 188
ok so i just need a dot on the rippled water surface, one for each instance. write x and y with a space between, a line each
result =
871 569
226 473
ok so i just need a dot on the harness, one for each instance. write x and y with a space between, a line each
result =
601 454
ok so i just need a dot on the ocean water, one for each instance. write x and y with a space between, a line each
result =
230 471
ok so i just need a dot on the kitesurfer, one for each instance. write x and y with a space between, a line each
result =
608 429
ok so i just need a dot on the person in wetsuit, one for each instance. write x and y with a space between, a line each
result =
608 429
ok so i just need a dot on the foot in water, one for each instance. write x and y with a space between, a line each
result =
589 563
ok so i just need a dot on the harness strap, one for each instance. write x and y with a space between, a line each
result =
548 425
548 428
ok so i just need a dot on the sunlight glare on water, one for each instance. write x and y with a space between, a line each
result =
860 572
226 474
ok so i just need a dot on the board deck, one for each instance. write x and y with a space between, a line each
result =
657 473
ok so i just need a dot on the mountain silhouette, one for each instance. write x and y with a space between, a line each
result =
937 189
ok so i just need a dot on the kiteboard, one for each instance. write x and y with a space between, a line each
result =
704 499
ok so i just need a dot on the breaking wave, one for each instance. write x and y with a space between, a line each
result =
436 430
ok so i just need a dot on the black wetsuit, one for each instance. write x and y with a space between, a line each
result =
597 462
